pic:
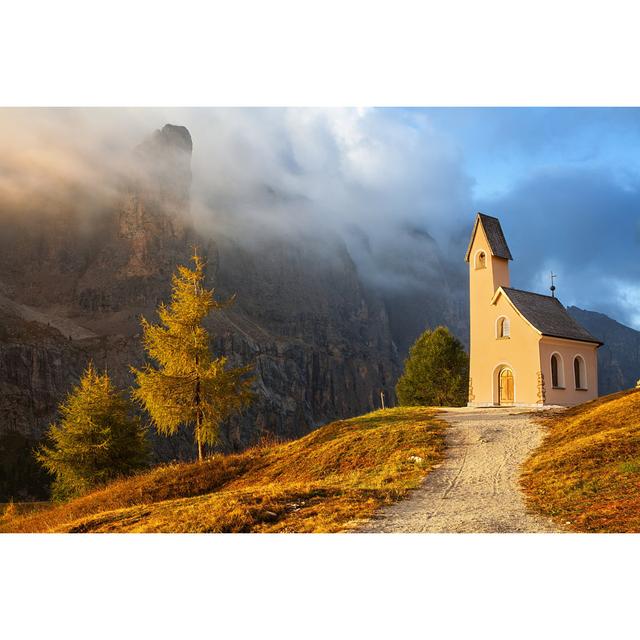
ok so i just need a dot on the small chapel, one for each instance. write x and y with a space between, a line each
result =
525 349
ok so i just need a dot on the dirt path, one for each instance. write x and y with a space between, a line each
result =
475 490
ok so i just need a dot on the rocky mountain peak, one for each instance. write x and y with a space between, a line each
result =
155 208
318 338
174 136
162 163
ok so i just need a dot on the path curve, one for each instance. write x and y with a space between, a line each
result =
476 489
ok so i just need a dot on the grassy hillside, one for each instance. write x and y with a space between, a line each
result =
586 473
327 481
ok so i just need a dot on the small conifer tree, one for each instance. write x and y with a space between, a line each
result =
188 386
97 439
436 373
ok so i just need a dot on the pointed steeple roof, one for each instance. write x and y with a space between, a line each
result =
495 236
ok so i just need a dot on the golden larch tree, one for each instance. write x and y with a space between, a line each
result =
96 440
187 385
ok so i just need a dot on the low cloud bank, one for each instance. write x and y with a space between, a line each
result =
395 184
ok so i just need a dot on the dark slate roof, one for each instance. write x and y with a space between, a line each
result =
548 315
495 236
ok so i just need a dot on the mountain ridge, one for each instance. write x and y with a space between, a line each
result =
318 336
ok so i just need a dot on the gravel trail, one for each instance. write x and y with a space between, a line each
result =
475 490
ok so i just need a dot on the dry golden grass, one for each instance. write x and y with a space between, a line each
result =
325 482
12 509
586 473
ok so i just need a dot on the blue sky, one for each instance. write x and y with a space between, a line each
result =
503 145
566 184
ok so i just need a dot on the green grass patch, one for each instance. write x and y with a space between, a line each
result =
631 466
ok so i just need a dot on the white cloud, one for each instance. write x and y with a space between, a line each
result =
373 172
628 297
378 173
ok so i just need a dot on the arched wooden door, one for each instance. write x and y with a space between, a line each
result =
506 387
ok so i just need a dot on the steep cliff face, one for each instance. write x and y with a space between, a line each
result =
429 293
321 343
155 208
35 365
319 339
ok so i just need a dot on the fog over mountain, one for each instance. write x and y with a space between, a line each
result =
563 182
79 265
377 181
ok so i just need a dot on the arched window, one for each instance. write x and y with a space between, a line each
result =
503 327
557 371
579 372
554 371
481 260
